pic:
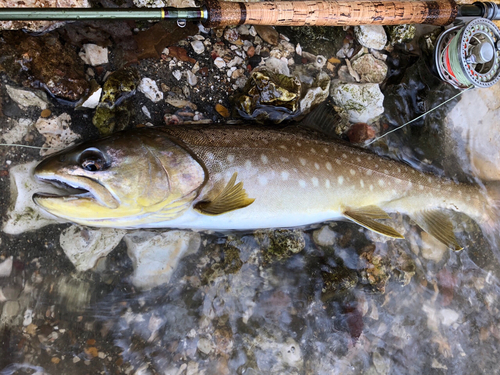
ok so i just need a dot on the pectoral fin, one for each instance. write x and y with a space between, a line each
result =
232 197
365 216
437 224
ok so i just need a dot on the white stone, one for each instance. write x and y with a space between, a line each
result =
6 267
291 353
198 46
93 100
191 78
24 215
448 316
57 133
479 129
177 74
370 69
220 63
432 249
94 55
315 95
155 256
27 98
371 36
361 102
149 88
278 66
324 236
84 246
236 61
205 345
17 130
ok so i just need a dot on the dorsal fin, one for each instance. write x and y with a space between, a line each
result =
232 197
438 225
365 216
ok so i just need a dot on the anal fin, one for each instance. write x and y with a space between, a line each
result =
232 197
365 216
438 225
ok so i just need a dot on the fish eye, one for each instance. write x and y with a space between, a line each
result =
93 160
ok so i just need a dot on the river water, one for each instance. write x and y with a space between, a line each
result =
329 299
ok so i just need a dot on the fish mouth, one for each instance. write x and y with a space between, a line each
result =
75 188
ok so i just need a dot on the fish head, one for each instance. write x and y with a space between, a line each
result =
129 179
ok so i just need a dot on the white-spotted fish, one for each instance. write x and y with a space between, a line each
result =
238 178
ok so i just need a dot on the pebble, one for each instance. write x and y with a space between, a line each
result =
191 78
235 62
198 46
6 267
220 63
149 88
324 236
431 248
371 36
205 345
448 316
27 98
268 34
221 110
177 74
94 55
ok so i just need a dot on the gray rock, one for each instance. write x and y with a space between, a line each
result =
6 267
324 236
359 102
27 98
84 246
155 256
149 88
94 55
370 69
277 66
371 36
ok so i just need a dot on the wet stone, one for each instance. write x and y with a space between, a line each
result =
280 244
337 282
400 34
43 62
370 69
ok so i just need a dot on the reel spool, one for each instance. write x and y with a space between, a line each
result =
469 56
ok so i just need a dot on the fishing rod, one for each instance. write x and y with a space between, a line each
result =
464 56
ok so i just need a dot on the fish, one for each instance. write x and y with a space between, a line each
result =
245 177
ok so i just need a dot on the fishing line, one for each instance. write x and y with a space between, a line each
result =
27 146
419 117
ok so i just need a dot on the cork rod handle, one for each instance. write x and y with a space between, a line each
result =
331 13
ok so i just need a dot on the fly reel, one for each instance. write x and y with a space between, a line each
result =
469 56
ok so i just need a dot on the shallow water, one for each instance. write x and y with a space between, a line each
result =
331 299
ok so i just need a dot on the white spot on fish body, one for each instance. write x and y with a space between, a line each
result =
282 147
299 144
369 172
362 183
248 164
421 187
328 166
284 175
429 179
326 150
264 159
230 158
262 180
316 165
352 171
315 182
381 183
386 171
302 183
338 161
327 183
284 160
371 187
303 161
358 159
313 150
344 156
340 180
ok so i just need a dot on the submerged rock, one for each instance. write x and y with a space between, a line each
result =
280 244
371 36
400 34
57 133
149 88
27 98
370 69
119 86
84 246
23 214
94 55
155 256
43 62
359 102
